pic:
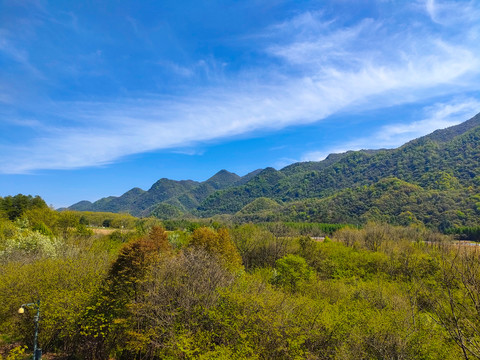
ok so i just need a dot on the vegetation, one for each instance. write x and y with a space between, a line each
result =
340 259
435 173
466 232
206 291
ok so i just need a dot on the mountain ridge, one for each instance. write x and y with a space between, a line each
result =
446 157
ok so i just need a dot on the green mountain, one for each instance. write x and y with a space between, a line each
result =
434 179
444 160
389 200
184 195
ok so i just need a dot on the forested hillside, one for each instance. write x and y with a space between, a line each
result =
179 196
439 176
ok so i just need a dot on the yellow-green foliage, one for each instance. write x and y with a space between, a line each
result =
180 291
107 315
260 247
61 273
28 242
114 220
64 287
217 242
17 353
290 271
7 230
42 218
380 292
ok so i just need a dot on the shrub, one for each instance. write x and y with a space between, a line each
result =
291 271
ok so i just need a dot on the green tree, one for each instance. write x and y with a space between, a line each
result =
291 271
106 320
15 206
67 222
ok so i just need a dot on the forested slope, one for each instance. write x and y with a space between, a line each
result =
442 168
425 161
185 195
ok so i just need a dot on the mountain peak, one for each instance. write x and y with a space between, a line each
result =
222 179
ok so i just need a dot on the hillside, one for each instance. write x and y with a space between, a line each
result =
185 195
414 162
441 170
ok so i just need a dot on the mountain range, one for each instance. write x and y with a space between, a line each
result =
433 180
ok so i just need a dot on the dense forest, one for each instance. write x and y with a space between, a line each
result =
433 180
112 286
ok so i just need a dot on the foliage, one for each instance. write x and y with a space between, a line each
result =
171 317
290 271
7 230
166 211
178 196
15 206
106 317
261 246
44 220
64 286
466 232
457 308
17 353
315 229
28 242
97 219
268 291
217 242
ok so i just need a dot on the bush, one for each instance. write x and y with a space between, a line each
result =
30 243
291 271
219 244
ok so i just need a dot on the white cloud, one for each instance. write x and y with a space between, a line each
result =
323 47
437 116
322 69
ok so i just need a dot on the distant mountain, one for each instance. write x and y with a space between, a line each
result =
185 195
389 200
453 151
434 179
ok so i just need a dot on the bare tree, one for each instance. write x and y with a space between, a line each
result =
457 305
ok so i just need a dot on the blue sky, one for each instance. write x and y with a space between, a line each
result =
100 97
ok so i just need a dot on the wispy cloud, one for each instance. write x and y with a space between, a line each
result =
449 13
7 48
318 68
177 69
437 116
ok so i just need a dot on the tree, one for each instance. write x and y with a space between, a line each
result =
291 270
218 243
457 307
170 320
16 205
67 220
107 318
